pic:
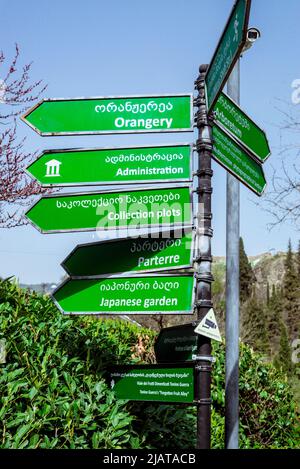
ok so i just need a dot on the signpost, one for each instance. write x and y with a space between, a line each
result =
173 384
104 115
160 207
156 294
228 153
176 344
233 119
113 166
227 52
131 255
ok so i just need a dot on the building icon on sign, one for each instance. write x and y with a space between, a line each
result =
52 168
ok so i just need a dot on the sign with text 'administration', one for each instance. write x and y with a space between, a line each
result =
113 166
173 384
176 344
159 294
172 113
159 207
144 254
229 155
230 116
227 52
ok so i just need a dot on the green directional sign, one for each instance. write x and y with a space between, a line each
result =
228 153
145 254
173 113
158 383
227 52
230 116
176 344
159 207
167 294
113 166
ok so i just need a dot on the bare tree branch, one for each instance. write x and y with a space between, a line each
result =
18 93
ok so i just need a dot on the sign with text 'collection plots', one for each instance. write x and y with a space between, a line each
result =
237 161
166 206
113 166
157 294
159 383
159 252
233 119
172 113
227 52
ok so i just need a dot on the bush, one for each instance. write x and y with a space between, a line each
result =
53 393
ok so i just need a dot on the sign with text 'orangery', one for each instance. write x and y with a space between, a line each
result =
104 115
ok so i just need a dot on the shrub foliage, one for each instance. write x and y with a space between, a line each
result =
53 393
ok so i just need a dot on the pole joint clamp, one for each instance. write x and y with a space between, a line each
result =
204 401
204 303
204 172
203 145
203 368
204 190
204 358
203 258
206 277
204 231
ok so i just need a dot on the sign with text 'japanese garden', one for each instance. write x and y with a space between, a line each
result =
160 252
153 383
134 114
167 206
113 166
159 294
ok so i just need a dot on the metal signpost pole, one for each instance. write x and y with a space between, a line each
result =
204 259
232 292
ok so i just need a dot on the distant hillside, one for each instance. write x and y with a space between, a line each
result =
40 287
268 269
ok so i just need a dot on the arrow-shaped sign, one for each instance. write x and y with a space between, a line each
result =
159 207
237 161
227 52
132 114
161 251
113 166
233 119
176 344
159 383
159 294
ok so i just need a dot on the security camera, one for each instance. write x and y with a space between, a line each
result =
252 35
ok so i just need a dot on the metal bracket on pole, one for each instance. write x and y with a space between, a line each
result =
204 401
204 304
204 358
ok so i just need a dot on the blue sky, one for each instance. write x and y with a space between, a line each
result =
130 47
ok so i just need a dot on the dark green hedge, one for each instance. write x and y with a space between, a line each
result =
53 394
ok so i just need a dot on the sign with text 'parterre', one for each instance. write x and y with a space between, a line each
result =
111 210
113 166
144 254
230 116
172 113
237 161
159 294
173 384
227 52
